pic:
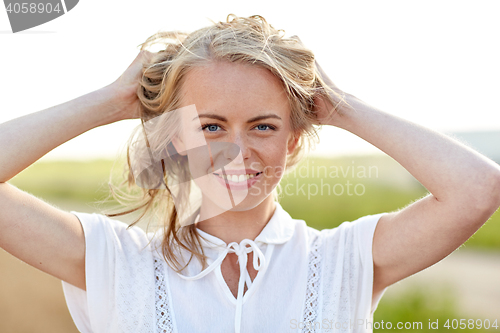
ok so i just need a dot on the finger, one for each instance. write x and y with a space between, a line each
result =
146 55
142 57
134 70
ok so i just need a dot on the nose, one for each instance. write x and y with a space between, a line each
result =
244 149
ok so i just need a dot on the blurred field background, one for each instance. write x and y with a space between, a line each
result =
464 285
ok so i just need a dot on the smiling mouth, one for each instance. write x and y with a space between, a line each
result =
238 178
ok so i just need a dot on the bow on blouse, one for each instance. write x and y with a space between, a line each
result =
241 250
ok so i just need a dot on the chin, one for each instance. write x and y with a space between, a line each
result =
251 202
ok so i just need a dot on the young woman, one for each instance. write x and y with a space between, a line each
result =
225 111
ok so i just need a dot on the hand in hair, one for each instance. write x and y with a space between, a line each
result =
127 84
332 104
328 105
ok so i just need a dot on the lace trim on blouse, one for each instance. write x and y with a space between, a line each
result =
163 316
312 292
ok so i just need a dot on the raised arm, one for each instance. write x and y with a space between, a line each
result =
464 189
33 231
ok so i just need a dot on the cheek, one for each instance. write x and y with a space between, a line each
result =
274 157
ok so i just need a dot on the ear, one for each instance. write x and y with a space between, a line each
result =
179 145
293 141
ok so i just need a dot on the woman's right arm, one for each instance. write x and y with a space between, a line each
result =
43 236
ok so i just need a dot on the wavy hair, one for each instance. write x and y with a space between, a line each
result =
251 40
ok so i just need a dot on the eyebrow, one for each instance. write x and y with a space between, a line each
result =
251 120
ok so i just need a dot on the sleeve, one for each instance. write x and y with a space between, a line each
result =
364 230
119 272
348 272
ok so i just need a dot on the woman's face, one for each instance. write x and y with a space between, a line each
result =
236 131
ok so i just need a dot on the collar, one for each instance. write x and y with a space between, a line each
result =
278 230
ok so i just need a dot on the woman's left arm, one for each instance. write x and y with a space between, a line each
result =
464 189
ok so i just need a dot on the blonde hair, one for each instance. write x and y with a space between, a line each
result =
251 40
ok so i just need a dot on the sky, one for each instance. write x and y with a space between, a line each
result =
432 62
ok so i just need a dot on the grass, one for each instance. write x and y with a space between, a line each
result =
66 180
422 310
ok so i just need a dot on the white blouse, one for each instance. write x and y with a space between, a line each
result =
307 281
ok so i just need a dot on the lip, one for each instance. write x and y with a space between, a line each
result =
238 186
237 171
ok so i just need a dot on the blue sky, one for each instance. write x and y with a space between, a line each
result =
431 62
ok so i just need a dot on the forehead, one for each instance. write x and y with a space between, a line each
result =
234 89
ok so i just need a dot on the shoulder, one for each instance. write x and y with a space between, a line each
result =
355 237
359 231
105 231
361 228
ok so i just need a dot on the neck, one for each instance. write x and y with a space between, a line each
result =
234 226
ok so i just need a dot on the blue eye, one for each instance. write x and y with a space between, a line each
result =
265 127
210 127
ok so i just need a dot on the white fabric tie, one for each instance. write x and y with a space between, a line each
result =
241 250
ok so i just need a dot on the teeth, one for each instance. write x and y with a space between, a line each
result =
237 178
